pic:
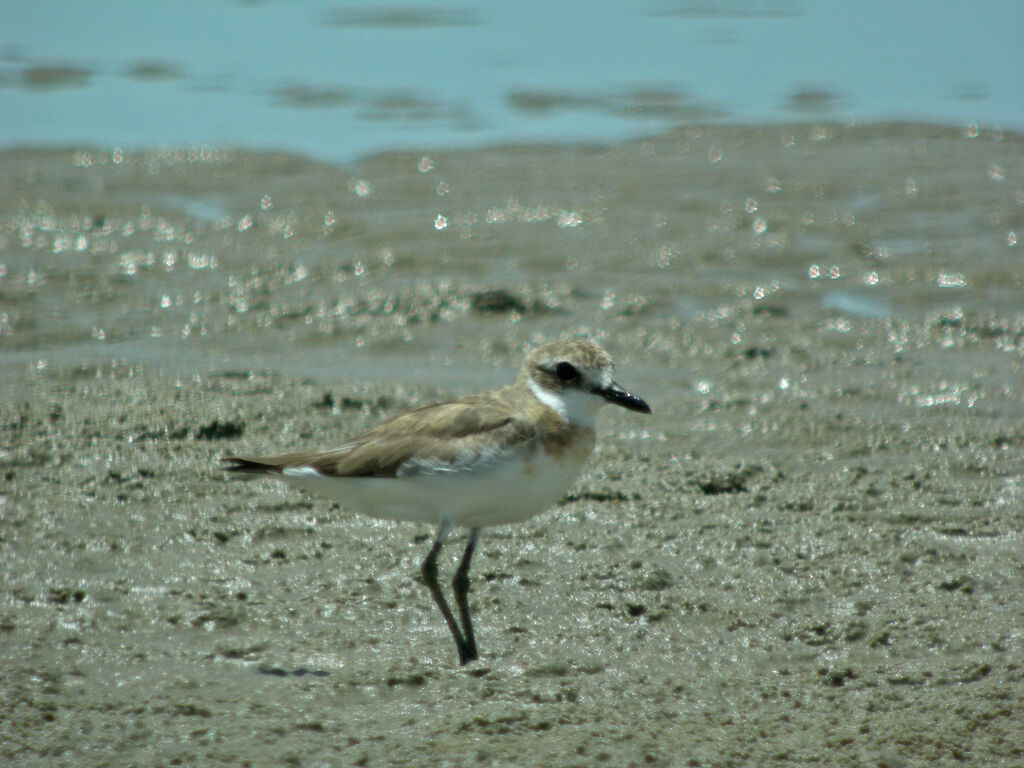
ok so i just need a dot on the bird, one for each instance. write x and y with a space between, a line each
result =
494 458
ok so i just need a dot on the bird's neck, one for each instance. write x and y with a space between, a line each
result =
573 407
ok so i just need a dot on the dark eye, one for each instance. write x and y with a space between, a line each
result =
567 372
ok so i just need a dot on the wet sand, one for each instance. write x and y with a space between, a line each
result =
811 553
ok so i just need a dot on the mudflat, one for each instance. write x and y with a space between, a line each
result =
810 554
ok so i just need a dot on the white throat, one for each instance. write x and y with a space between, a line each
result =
573 405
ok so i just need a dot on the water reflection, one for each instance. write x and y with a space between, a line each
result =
855 304
482 73
401 17
53 76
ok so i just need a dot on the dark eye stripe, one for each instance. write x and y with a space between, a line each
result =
567 372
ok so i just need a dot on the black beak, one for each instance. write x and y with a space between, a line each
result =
616 395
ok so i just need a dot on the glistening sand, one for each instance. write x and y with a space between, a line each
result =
811 554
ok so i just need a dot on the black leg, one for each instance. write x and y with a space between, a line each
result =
429 570
460 586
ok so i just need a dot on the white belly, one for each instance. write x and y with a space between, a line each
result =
507 490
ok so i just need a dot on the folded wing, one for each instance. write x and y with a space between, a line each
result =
443 437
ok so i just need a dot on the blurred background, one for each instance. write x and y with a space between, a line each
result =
242 227
337 80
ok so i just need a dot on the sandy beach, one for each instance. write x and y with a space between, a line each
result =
810 554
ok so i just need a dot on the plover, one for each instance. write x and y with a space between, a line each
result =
494 458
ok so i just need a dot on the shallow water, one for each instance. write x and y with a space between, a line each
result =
337 82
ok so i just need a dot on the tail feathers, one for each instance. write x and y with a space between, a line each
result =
249 466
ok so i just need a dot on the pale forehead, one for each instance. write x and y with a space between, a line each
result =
582 354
